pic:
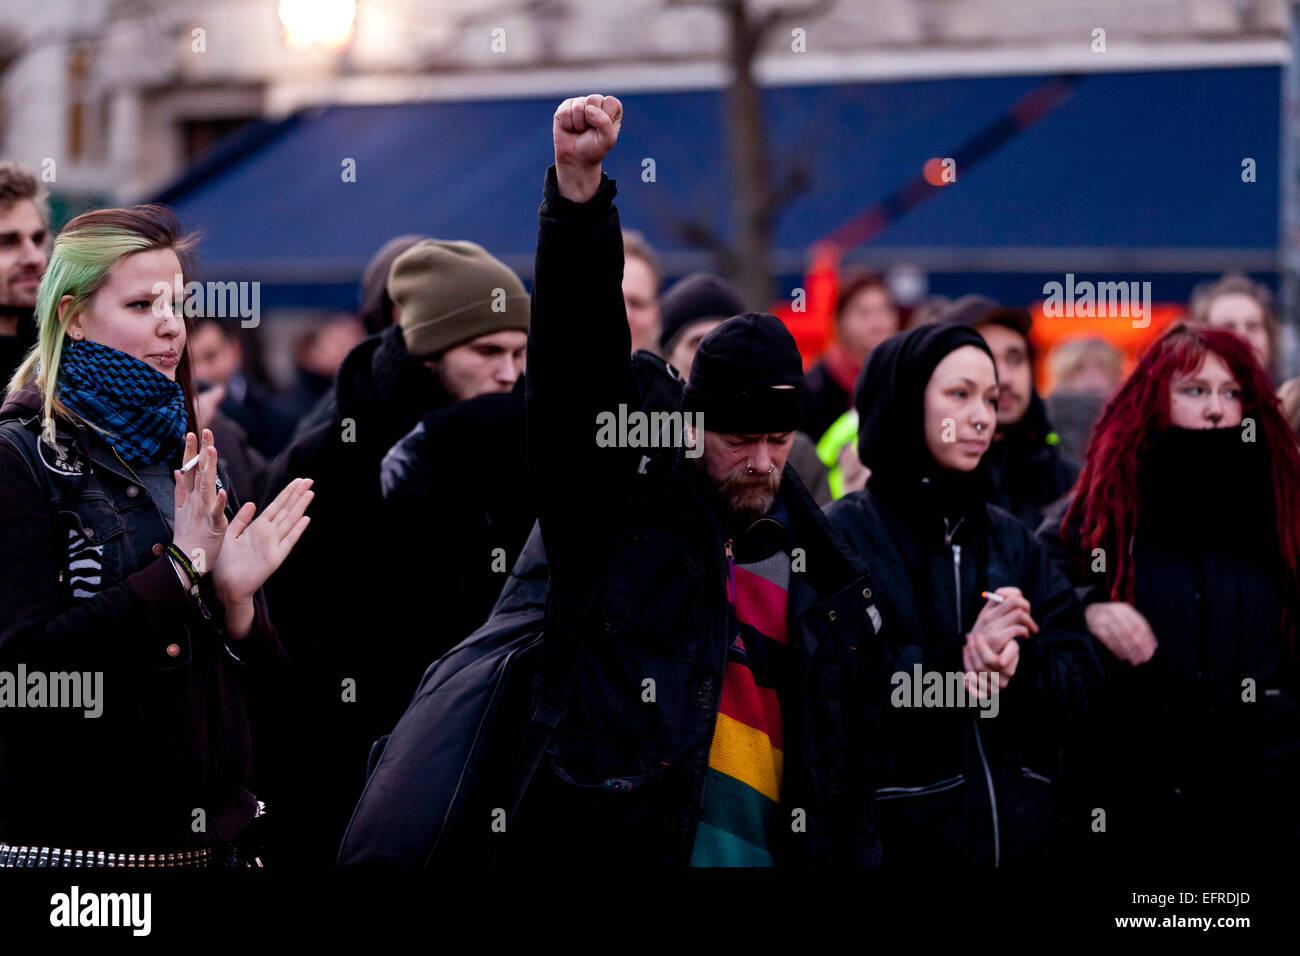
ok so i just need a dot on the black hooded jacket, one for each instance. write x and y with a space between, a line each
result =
959 784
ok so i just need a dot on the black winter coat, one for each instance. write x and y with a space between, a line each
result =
358 640
458 479
638 587
1190 765
86 586
958 786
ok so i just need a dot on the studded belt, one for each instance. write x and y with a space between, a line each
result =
11 856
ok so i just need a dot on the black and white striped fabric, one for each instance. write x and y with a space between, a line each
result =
85 573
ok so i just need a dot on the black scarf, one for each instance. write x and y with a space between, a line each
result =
383 383
1207 488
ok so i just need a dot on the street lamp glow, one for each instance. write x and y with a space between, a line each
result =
327 22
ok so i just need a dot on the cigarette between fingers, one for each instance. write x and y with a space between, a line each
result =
189 465
996 598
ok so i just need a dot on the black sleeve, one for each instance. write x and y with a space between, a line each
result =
1061 660
261 647
1059 545
579 365
404 473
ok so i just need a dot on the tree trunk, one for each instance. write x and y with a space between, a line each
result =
747 147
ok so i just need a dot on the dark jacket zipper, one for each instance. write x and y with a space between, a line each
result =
979 743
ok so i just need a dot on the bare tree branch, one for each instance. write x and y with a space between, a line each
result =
794 182
697 233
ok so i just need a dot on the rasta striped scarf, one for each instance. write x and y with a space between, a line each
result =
140 407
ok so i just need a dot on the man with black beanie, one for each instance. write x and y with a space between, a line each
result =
695 306
708 639
1025 462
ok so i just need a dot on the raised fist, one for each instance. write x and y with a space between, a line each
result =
585 129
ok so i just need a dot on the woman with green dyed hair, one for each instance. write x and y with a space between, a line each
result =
132 622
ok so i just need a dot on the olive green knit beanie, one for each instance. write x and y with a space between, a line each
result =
451 292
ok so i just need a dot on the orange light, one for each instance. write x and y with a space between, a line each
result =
933 171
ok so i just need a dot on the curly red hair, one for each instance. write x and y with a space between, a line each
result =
1106 499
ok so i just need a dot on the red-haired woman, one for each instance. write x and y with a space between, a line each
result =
1183 535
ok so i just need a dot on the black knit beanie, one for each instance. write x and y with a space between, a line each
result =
747 377
698 297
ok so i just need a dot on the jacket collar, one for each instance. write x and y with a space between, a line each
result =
75 443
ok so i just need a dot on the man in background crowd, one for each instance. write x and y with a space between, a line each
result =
641 281
865 315
1085 373
462 320
321 351
1240 305
1026 466
219 360
24 235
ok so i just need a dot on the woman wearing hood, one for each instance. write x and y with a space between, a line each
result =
968 777
1183 536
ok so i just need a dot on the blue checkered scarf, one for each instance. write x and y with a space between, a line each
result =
138 405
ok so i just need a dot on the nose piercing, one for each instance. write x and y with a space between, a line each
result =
771 469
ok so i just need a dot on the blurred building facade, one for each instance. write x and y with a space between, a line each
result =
114 98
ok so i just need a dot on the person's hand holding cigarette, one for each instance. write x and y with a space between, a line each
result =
200 515
990 645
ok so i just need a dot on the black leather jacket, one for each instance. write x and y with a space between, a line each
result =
86 587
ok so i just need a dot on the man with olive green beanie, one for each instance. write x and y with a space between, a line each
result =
461 322
463 313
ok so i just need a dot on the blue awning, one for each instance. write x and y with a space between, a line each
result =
1137 163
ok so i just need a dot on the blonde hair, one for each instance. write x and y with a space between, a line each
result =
1067 359
84 254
